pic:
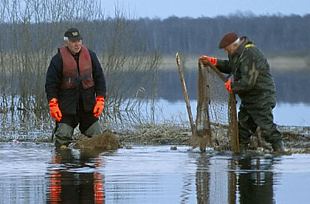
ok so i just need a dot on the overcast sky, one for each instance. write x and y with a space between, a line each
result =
208 8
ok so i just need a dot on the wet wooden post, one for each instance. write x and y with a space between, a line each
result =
187 101
202 136
233 123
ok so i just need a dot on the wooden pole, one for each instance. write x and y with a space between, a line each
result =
233 124
186 98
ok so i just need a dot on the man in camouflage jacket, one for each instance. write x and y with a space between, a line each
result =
252 81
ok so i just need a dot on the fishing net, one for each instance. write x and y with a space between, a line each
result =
216 110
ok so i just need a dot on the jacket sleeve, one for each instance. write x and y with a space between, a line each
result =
99 79
249 74
53 77
223 66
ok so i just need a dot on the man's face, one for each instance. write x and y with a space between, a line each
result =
231 49
74 46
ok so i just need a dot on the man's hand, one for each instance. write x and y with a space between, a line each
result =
207 59
99 106
54 109
228 86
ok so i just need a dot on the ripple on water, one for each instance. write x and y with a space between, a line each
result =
149 174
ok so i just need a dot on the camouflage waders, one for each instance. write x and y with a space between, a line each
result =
249 118
64 133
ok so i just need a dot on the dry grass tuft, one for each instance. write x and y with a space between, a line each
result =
107 141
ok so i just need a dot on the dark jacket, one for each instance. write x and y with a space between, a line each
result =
251 72
71 100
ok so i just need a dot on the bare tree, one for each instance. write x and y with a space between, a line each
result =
33 31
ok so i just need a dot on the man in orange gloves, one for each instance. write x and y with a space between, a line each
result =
75 89
253 83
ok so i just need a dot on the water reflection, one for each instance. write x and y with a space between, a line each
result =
73 178
255 180
290 85
155 175
234 180
203 179
32 173
214 183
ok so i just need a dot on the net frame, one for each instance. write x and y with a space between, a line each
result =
211 101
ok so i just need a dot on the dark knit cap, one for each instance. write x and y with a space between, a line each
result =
73 34
228 39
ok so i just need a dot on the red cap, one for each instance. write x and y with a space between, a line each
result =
228 39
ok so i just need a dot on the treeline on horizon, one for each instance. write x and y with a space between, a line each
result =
276 35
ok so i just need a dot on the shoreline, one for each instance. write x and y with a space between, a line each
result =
296 138
277 63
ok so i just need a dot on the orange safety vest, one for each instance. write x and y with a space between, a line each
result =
55 183
74 73
56 193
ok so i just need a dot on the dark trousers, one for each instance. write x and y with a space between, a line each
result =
65 127
85 120
251 117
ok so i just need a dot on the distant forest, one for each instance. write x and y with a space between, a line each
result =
275 35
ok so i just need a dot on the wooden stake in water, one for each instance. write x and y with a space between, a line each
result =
184 90
233 124
195 139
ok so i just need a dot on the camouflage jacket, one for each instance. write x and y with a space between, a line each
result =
252 79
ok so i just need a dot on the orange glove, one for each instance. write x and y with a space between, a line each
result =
228 86
54 109
99 106
206 60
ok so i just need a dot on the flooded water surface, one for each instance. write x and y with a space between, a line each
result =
36 173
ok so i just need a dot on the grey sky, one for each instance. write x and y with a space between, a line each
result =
209 8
